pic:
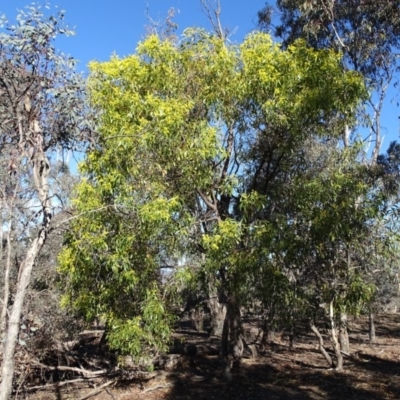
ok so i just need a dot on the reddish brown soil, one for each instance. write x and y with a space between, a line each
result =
371 372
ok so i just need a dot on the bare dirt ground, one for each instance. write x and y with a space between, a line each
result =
371 372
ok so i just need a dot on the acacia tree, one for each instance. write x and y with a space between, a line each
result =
179 125
42 111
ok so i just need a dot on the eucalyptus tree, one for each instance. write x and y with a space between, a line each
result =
338 210
381 254
366 32
368 35
42 110
174 173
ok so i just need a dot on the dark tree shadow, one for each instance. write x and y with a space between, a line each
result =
262 380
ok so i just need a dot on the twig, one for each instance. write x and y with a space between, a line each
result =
156 387
79 215
331 15
97 390
213 14
55 385
86 373
110 394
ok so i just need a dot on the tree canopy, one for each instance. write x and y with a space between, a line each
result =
196 138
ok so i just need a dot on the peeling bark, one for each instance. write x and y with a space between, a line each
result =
40 173
344 334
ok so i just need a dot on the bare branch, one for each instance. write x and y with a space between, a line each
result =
206 200
79 215
84 372
55 385
213 12
97 390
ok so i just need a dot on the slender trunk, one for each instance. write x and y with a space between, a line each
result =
268 333
291 330
372 335
321 344
232 337
13 325
344 334
376 128
40 175
268 326
218 313
346 136
6 294
335 341
4 311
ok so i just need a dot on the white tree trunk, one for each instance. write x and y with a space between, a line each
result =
6 294
335 341
13 325
40 174
344 334
321 344
372 335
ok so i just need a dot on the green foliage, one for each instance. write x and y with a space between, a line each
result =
31 65
367 32
151 329
181 127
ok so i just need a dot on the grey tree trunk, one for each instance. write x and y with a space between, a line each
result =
321 344
344 334
335 341
268 328
268 333
372 335
14 322
6 293
218 313
232 337
40 174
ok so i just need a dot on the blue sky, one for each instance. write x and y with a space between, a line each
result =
107 26
104 27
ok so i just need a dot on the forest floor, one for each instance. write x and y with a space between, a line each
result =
372 371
